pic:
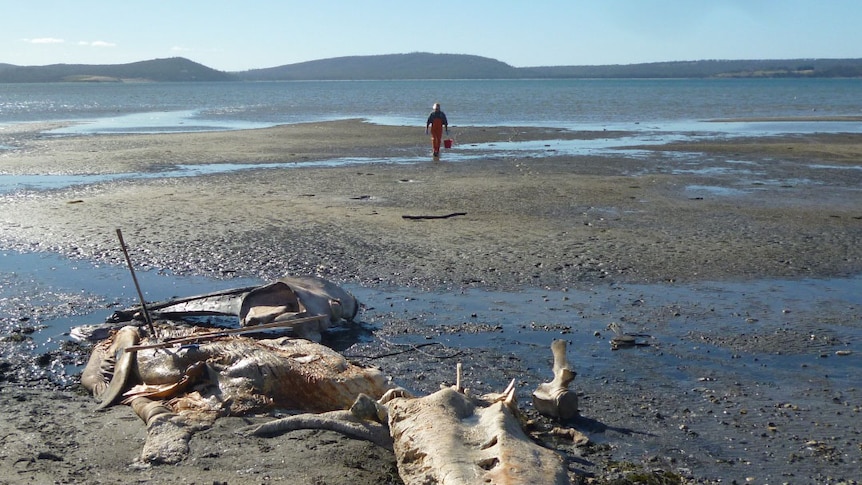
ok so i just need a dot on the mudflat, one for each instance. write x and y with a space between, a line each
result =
737 211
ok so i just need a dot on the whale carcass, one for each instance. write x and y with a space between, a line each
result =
189 375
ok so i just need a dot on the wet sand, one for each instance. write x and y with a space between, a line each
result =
724 212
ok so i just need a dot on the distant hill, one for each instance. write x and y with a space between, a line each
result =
459 66
175 69
421 65
710 69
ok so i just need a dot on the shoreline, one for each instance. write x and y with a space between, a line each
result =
578 231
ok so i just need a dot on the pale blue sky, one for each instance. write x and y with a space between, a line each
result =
240 35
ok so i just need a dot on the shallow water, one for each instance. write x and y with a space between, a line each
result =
691 330
42 280
612 146
461 153
699 324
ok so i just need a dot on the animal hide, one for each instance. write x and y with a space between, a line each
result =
286 300
230 375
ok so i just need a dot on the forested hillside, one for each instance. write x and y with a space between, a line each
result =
392 66
423 65
175 69
711 69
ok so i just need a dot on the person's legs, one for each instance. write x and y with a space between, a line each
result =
436 138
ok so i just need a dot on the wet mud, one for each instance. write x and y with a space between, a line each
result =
734 265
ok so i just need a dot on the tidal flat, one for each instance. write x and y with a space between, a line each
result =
737 261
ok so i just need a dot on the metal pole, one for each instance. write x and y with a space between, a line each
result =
137 286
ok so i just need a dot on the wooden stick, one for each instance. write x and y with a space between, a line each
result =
222 333
446 216
137 286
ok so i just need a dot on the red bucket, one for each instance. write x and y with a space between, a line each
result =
447 143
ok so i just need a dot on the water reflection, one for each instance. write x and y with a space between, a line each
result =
154 122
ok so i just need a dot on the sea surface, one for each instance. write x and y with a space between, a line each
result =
582 104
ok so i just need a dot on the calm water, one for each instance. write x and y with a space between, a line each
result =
577 104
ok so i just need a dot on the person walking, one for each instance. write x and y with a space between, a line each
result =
436 122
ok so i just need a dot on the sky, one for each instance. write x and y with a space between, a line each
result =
252 34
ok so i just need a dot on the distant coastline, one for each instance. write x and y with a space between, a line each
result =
421 65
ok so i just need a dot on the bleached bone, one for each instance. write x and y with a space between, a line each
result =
622 340
554 398
365 420
578 438
450 438
168 434
445 438
109 366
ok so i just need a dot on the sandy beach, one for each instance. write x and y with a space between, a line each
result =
787 208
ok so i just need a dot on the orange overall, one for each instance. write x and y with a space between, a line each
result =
436 122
